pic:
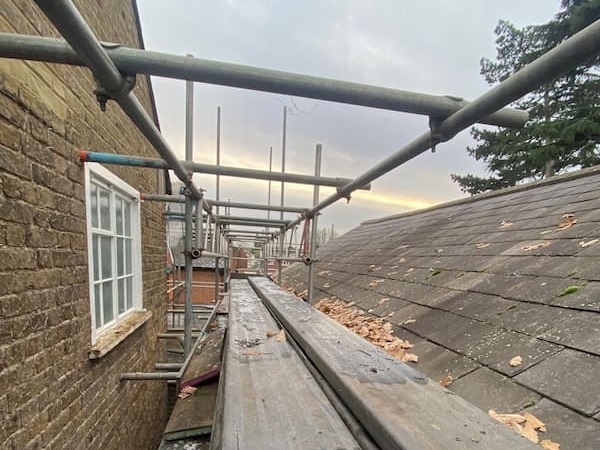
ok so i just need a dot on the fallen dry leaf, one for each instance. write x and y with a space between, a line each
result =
516 361
481 245
528 248
326 285
280 336
568 220
537 423
526 424
374 283
588 243
409 321
505 224
446 381
383 300
529 432
271 333
506 418
186 391
250 352
409 357
547 444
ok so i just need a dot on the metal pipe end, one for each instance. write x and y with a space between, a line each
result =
83 155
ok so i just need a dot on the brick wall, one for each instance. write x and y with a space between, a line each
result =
51 394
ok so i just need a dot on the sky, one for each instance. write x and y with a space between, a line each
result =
428 46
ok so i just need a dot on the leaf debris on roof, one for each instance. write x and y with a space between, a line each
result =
547 444
516 361
528 248
375 330
588 243
568 220
374 283
568 290
527 425
446 381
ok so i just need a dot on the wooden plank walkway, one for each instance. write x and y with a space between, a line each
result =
270 399
398 406
193 416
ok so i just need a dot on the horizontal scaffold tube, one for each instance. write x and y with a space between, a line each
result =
180 199
257 224
251 232
157 163
576 50
232 219
292 209
132 60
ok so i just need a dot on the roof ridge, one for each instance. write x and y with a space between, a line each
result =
594 170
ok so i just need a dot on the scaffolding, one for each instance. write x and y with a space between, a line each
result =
215 235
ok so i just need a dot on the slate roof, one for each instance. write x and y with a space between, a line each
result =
482 278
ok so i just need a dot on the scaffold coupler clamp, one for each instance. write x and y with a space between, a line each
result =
436 134
195 253
340 192
307 260
103 94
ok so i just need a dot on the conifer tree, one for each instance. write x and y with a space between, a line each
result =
563 131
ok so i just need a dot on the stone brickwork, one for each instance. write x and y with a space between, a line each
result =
51 394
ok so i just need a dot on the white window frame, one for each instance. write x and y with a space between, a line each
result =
95 171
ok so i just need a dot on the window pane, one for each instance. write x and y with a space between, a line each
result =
121 295
94 205
104 209
127 218
106 255
107 301
119 214
120 257
97 307
128 256
129 281
95 257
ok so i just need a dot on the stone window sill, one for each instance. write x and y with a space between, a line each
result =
109 339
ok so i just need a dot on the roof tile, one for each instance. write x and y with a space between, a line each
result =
487 390
569 429
568 377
